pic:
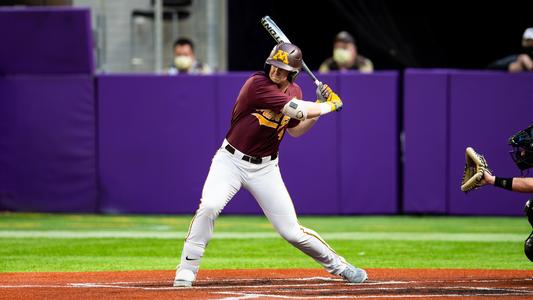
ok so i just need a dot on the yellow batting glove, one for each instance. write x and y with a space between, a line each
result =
334 101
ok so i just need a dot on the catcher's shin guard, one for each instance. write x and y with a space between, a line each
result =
528 209
528 244
528 247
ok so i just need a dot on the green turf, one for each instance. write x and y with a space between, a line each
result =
385 251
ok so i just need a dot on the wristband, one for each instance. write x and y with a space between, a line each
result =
325 108
504 183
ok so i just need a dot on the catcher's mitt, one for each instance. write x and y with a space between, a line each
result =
475 166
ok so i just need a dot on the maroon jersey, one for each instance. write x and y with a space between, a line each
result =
257 123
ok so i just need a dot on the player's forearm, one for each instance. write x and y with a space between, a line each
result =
524 185
515 67
516 184
313 110
302 128
302 110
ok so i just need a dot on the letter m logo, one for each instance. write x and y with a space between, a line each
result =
282 56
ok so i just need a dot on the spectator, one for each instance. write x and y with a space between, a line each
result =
185 61
345 56
518 62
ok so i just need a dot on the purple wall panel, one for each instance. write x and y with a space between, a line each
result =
425 128
368 143
309 163
486 109
47 144
45 41
228 87
156 140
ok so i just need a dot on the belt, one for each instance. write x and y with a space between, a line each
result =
251 159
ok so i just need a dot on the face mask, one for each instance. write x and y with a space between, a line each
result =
341 56
183 62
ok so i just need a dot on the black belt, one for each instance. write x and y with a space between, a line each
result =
250 159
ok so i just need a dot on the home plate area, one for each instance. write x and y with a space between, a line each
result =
326 288
274 284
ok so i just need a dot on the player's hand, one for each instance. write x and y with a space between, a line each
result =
487 178
334 101
525 61
522 63
322 92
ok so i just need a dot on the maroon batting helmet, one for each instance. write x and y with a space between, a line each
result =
287 57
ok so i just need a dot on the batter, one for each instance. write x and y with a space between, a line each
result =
268 104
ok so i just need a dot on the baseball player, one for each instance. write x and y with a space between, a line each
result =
522 154
268 104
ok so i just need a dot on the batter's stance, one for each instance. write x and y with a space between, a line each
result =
268 104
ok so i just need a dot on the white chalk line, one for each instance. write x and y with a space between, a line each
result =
252 296
403 236
31 286
338 280
526 290
469 291
218 287
270 294
134 283
333 282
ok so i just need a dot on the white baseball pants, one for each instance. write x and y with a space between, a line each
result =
228 173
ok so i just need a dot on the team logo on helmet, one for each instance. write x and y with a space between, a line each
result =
281 56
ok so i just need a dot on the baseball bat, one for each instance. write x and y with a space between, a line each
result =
280 37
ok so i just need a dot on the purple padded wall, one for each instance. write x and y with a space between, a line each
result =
45 41
368 136
486 109
425 130
308 163
47 144
156 141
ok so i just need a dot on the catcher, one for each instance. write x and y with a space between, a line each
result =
477 174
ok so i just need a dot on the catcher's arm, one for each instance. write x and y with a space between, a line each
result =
477 174
516 184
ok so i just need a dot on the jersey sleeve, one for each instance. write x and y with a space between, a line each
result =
299 95
266 95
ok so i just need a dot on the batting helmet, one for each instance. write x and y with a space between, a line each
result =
522 143
287 57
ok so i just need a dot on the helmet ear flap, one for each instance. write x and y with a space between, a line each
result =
292 76
266 68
